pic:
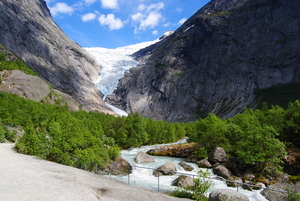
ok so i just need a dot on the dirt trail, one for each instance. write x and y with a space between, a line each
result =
29 178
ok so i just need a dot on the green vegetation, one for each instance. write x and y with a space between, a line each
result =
258 138
198 191
293 196
81 139
5 134
14 65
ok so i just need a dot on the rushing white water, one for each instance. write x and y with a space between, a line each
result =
143 177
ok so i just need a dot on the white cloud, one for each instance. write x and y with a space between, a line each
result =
157 6
141 7
109 4
151 21
138 17
182 21
61 8
167 24
88 17
155 32
111 21
178 10
148 16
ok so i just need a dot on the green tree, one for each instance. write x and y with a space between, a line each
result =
260 147
212 132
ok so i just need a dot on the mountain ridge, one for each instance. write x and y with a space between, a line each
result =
28 30
215 62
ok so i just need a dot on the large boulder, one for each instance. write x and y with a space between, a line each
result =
222 171
166 169
183 181
118 167
292 161
186 167
218 155
142 157
275 195
226 195
204 163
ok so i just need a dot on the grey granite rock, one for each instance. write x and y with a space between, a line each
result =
28 30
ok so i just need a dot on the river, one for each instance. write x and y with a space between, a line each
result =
143 177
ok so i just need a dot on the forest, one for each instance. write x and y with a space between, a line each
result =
258 137
86 139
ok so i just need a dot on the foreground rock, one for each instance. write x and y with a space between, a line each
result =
227 195
28 30
142 157
183 181
30 178
275 196
118 167
221 170
218 155
166 169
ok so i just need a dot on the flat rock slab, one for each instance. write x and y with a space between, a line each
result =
30 178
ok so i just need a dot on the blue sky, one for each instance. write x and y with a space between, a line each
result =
118 23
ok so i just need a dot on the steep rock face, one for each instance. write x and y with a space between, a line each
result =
215 61
27 29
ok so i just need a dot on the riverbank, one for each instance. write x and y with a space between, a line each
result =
31 178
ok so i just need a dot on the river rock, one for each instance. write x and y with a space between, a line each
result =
186 167
226 195
204 163
118 167
218 155
183 181
165 169
222 171
292 162
175 150
275 195
142 157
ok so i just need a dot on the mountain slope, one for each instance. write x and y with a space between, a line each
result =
215 61
28 30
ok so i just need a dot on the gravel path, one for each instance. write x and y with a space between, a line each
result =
29 178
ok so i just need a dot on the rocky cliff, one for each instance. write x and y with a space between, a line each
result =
28 30
215 61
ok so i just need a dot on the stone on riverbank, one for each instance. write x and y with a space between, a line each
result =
142 157
166 169
225 194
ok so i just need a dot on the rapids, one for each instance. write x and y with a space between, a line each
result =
143 177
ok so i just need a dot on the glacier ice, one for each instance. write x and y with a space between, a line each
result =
114 63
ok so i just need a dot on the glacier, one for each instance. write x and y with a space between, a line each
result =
114 63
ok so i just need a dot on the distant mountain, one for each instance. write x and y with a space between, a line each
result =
28 30
216 62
